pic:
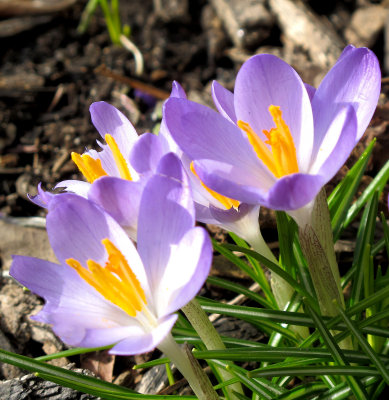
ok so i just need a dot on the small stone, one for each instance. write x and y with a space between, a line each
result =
247 22
365 26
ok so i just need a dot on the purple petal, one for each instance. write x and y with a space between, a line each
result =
224 101
147 152
185 273
72 306
76 227
121 199
310 90
266 80
235 184
177 91
354 80
204 134
108 119
203 214
166 213
78 187
293 191
42 199
105 336
337 147
148 341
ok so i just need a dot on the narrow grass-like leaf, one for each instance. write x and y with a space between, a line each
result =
386 233
376 185
152 363
235 287
275 354
261 277
253 315
340 199
375 298
246 269
339 358
286 229
365 346
71 352
305 277
241 396
378 247
279 271
303 392
365 237
260 386
378 391
293 306
315 371
343 391
75 380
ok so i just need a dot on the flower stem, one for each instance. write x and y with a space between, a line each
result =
316 239
190 369
212 340
317 245
281 289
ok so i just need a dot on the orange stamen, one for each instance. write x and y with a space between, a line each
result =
116 282
226 201
91 168
282 159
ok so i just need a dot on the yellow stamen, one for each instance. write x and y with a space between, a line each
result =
91 168
118 156
259 146
115 281
226 201
282 159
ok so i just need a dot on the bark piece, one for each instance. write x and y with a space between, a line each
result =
27 7
305 29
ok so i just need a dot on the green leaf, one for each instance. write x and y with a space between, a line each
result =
314 371
365 346
274 354
260 274
254 314
235 287
303 392
364 242
279 271
72 352
376 185
386 232
75 380
339 358
261 387
340 199
286 229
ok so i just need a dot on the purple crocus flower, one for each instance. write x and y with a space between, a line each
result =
110 178
211 207
275 141
108 292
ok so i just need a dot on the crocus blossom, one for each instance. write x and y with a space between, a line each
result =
105 291
275 141
211 207
110 178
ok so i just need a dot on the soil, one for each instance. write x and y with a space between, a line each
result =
50 74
